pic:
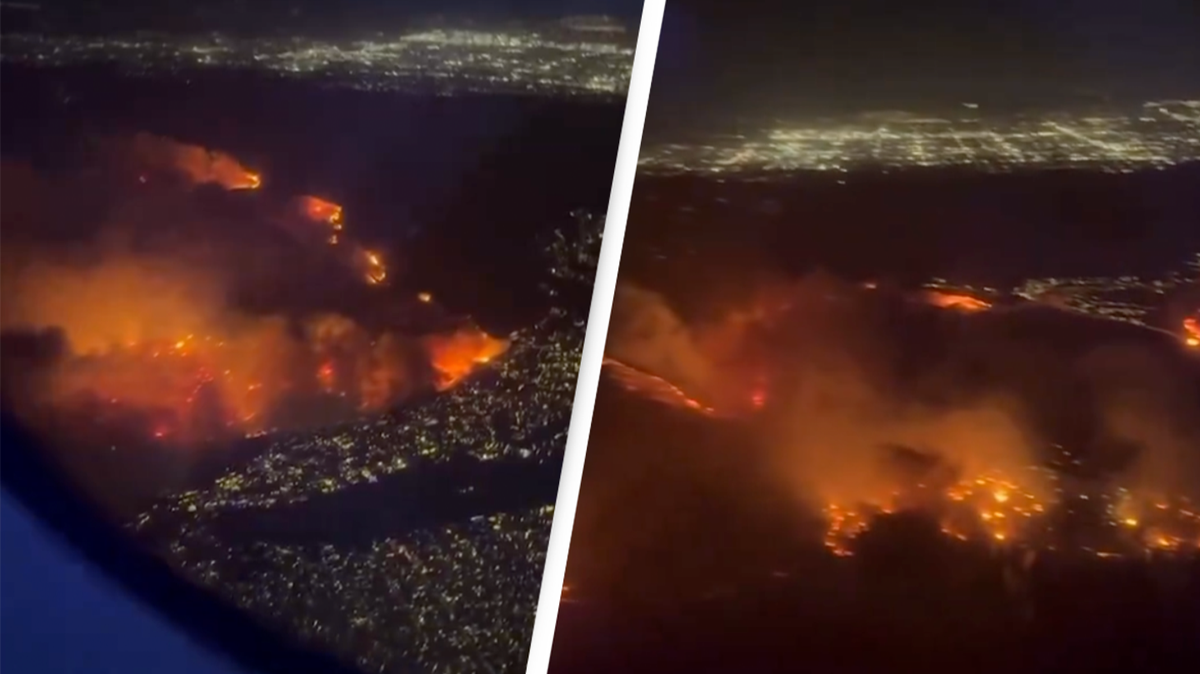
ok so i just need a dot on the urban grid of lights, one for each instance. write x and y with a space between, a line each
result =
458 597
450 61
1157 135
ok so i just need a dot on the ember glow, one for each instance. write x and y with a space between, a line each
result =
1163 523
997 510
1191 332
374 271
760 393
960 302
196 164
988 507
324 212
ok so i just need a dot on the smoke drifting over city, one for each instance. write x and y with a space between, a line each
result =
849 406
142 320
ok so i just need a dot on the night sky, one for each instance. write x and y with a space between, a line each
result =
345 18
769 58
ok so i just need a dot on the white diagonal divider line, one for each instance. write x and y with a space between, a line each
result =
597 330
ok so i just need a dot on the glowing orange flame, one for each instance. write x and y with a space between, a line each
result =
367 263
355 364
326 377
959 302
1159 523
996 508
199 165
1191 332
991 507
456 355
759 398
182 360
320 210
374 271
653 387
198 382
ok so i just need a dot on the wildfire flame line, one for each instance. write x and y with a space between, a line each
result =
186 364
654 387
368 264
199 165
457 355
998 509
952 301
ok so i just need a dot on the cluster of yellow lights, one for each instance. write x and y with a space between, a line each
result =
1160 136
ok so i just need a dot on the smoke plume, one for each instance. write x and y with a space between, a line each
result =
197 165
819 361
850 380
141 295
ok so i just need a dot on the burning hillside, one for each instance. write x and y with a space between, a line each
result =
319 210
367 264
951 301
183 352
156 334
653 387
852 428
195 164
456 355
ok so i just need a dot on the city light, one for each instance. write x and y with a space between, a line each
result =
524 61
1159 135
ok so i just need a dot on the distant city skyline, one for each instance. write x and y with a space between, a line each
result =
1111 139
569 62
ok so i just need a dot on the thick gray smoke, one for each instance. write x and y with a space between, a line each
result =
843 387
648 334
